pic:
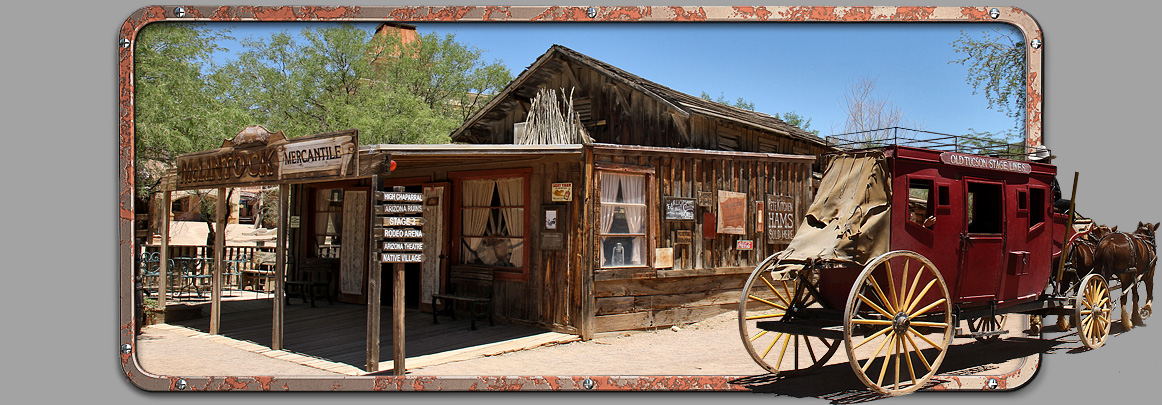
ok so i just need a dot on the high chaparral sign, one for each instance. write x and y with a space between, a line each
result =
983 162
257 157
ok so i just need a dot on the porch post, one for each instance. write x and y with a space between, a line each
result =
588 208
220 215
374 277
163 251
280 267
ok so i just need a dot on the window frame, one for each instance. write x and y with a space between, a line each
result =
648 221
518 274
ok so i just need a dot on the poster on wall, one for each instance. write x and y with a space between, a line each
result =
731 212
679 209
781 219
562 191
759 216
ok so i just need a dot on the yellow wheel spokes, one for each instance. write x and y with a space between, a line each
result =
1092 307
767 299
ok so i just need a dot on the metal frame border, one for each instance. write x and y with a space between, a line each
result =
125 107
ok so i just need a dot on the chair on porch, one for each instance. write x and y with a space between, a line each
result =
192 270
150 271
232 273
261 271
314 274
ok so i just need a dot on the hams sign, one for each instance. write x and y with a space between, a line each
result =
984 162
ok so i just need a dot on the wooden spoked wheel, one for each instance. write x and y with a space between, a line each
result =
766 299
1091 309
898 323
988 324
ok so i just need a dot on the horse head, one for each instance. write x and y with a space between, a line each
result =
1146 231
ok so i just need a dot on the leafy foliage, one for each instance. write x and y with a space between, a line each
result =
739 103
797 120
996 66
1003 144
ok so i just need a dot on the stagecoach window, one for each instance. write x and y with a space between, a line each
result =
920 207
492 222
623 219
1037 206
944 199
983 209
1022 200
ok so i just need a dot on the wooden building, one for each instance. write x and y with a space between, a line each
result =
651 211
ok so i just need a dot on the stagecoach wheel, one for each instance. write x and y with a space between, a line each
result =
898 323
988 324
767 299
1091 309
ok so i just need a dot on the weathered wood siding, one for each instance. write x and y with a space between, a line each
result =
708 274
619 114
548 296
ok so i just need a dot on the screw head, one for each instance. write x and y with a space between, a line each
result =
992 383
588 384
124 43
995 13
591 12
126 348
179 12
1036 44
181 384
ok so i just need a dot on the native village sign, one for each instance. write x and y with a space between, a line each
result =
256 157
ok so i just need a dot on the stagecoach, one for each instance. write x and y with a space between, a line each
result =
901 244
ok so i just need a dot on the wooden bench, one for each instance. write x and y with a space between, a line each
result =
470 285
262 270
313 274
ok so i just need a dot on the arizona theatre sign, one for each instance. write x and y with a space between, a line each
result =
257 157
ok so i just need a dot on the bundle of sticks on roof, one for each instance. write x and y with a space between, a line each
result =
546 125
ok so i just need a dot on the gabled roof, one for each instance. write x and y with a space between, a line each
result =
554 61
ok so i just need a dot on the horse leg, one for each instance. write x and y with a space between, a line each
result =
1127 280
1137 314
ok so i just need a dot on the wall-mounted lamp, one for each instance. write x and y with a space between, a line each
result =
336 196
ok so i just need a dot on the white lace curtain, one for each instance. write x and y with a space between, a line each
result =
633 200
512 195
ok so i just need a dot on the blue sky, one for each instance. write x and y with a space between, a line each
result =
780 67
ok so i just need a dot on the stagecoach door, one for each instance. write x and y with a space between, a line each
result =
982 241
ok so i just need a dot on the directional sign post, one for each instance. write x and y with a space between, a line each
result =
399 241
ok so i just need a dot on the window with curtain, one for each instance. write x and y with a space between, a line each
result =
492 228
623 219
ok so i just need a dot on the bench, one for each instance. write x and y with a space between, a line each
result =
262 270
470 285
313 274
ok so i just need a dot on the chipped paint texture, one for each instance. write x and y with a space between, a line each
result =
136 21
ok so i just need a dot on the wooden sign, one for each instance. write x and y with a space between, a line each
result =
562 191
552 241
399 209
731 212
743 244
683 237
402 258
269 159
984 162
392 196
401 221
401 233
679 209
705 199
781 219
403 246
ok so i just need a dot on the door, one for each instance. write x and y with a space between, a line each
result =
982 241
353 255
435 195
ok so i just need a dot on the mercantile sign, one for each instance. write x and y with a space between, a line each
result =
258 157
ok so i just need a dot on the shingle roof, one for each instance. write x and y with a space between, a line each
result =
683 103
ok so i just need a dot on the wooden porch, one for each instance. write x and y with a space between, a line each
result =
337 332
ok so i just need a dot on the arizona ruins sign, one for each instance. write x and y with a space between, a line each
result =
257 157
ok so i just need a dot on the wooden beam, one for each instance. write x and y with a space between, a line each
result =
374 276
163 250
589 247
280 268
220 215
397 309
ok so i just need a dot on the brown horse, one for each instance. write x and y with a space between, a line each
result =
1129 256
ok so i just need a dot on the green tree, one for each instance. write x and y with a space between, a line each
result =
177 106
996 66
1005 144
342 77
797 120
739 103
